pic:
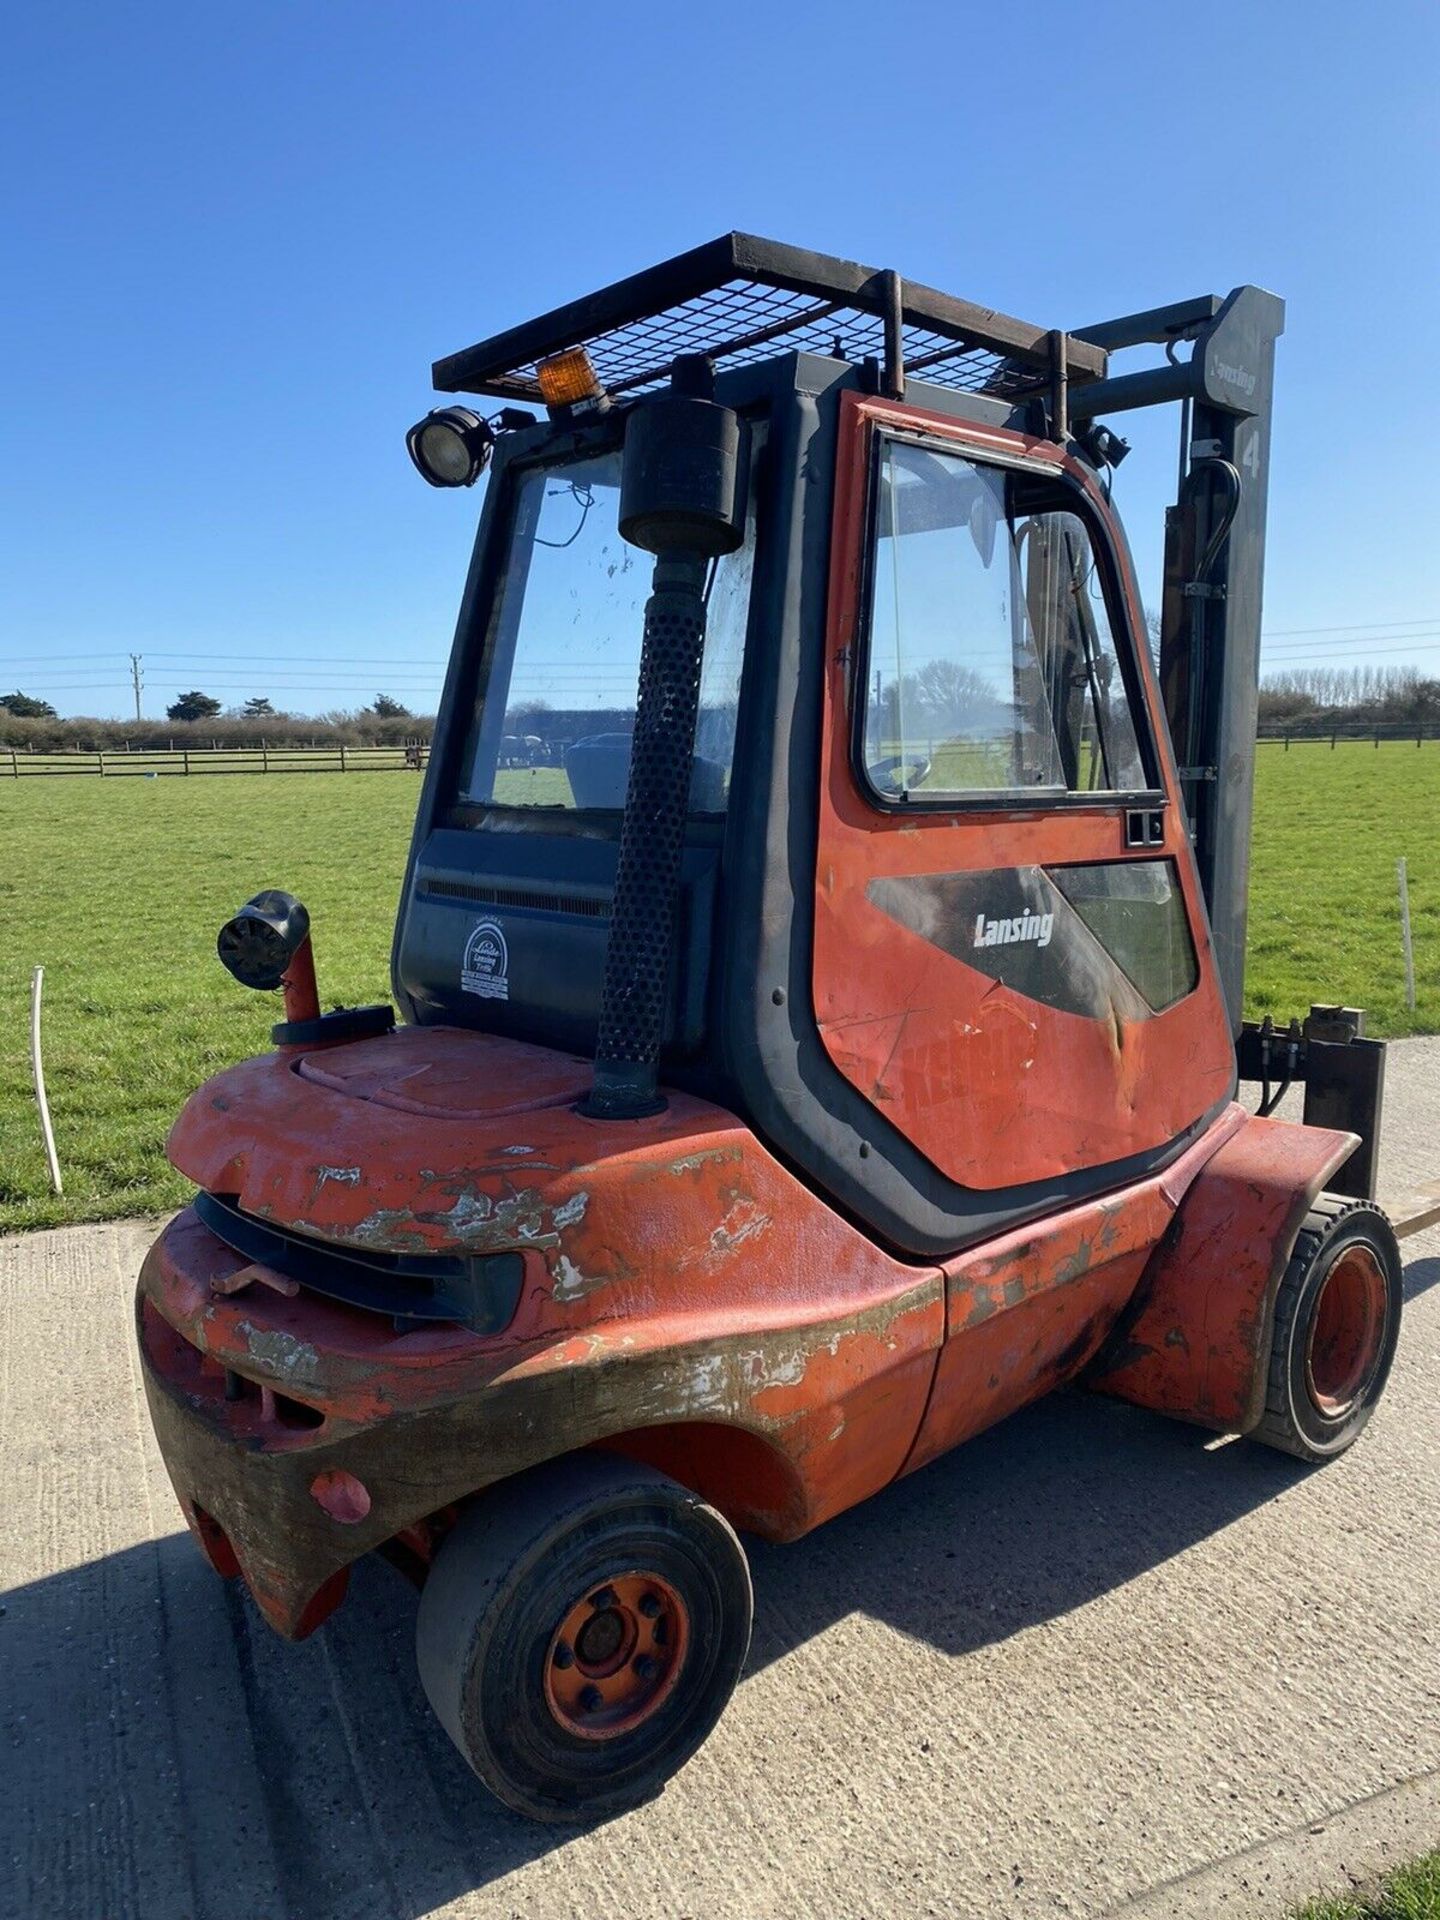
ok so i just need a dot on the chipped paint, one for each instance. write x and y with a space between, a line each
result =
826 1356
743 1221
837 1384
786 1372
473 1221
281 1353
571 1283
703 1388
693 1162
1194 1342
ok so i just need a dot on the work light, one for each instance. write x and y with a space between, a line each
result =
1105 448
450 447
258 945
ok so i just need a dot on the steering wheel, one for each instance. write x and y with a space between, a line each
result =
900 772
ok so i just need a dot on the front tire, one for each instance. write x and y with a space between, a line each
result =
581 1632
1337 1321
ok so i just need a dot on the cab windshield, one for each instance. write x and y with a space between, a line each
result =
555 711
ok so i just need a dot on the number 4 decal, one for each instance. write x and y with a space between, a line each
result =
1250 459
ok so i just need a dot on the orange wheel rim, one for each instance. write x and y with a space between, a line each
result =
1346 1331
614 1659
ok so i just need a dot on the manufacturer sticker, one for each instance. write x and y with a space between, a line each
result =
1025 926
486 967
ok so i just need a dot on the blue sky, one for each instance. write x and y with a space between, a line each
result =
236 237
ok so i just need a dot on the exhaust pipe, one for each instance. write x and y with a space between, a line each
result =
682 498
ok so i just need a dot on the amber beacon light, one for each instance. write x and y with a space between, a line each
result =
568 380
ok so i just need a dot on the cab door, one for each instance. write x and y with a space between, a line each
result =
1011 959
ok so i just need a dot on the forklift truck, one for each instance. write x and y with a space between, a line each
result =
819 966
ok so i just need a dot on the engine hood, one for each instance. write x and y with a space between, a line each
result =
425 1140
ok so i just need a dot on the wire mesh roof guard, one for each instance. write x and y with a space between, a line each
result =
739 299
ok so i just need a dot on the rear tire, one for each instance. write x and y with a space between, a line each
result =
1337 1320
581 1632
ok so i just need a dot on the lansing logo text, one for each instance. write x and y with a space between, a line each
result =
1004 933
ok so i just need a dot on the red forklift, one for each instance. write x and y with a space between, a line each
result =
819 969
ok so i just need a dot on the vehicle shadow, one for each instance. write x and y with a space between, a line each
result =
1420 1276
218 1771
1073 1497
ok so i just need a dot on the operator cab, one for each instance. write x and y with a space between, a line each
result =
533 756
937 925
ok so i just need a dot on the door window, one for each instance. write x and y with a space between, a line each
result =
992 666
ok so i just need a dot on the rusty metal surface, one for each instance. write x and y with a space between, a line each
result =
1195 1342
833 1404
676 1274
994 1087
686 1300
1026 1312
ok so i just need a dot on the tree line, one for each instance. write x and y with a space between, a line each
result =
198 719
942 691
1349 696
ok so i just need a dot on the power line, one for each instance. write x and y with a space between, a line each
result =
31 659
1358 626
123 674
1348 653
244 662
1364 644
276 659
220 659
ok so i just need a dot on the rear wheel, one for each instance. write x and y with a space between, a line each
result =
581 1632
1337 1319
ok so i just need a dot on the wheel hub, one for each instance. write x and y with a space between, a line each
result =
601 1638
615 1657
1346 1331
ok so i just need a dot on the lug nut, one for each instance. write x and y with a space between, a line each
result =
564 1656
603 1600
646 1667
650 1606
592 1699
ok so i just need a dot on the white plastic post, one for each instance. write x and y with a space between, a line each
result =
38 1073
1405 937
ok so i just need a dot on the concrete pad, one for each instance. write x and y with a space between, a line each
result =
1091 1658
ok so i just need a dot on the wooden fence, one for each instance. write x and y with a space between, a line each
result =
162 762
1414 733
166 762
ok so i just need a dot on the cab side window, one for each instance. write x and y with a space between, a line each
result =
992 667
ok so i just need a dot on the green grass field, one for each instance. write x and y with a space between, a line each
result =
118 888
1324 905
1413 1893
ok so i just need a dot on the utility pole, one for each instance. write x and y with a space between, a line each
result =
137 677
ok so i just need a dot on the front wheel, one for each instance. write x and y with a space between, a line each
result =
581 1632
1337 1321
